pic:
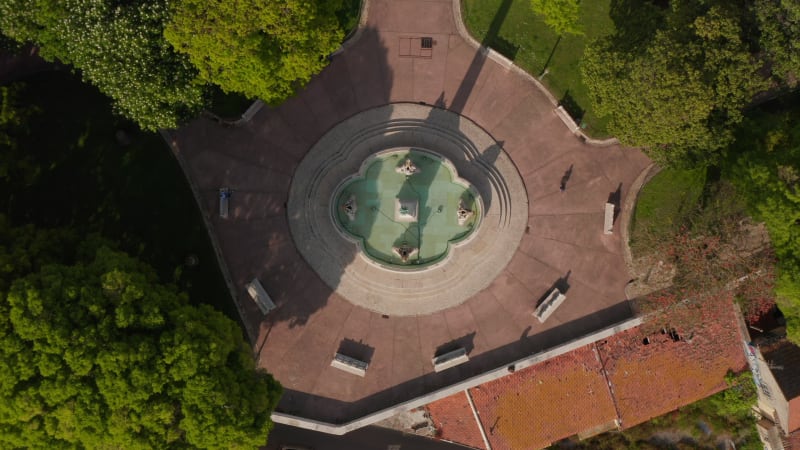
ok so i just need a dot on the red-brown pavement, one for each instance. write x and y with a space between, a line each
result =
296 342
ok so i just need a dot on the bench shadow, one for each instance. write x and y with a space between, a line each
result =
615 198
356 350
562 284
313 406
467 342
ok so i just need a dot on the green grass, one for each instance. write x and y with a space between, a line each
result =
524 38
133 194
665 204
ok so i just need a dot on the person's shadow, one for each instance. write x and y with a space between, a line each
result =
563 185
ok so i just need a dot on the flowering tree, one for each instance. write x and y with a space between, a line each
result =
119 47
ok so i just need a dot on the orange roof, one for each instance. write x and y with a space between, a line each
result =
455 422
794 416
653 379
570 394
537 406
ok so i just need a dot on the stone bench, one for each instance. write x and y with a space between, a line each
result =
608 225
224 200
554 299
260 296
349 365
450 359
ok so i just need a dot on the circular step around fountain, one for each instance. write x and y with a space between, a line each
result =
392 283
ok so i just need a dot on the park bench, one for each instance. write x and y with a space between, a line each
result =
349 365
224 199
608 226
554 299
260 296
450 359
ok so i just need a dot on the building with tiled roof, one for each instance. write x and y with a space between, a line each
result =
655 370
617 382
456 421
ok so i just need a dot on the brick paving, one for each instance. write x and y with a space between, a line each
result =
564 239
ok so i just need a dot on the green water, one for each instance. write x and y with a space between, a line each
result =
438 197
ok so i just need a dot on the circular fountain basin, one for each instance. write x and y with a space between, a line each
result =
406 219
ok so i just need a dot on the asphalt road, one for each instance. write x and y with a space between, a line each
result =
369 438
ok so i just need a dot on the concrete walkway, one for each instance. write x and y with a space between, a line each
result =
564 239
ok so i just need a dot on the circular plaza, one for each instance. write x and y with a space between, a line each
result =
407 209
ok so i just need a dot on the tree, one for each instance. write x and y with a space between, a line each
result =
779 22
764 165
560 15
14 114
98 354
263 49
679 93
119 47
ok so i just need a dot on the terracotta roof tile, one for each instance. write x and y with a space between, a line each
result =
545 403
454 421
569 394
651 380
794 415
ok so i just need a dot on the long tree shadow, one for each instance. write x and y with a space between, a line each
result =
479 60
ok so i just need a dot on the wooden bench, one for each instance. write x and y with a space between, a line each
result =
608 226
260 296
450 359
349 365
554 299
224 200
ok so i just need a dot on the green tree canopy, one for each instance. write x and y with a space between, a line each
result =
263 49
98 354
560 15
679 92
14 116
119 47
765 165
779 22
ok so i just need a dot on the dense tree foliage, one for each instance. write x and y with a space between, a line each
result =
14 116
779 23
264 48
560 15
765 165
117 46
676 90
97 354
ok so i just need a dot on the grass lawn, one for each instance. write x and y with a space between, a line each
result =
524 38
665 204
134 194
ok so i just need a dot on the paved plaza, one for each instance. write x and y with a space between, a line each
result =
562 241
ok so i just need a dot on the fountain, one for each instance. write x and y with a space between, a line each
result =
405 192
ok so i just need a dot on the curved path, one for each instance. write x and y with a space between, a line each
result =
563 241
